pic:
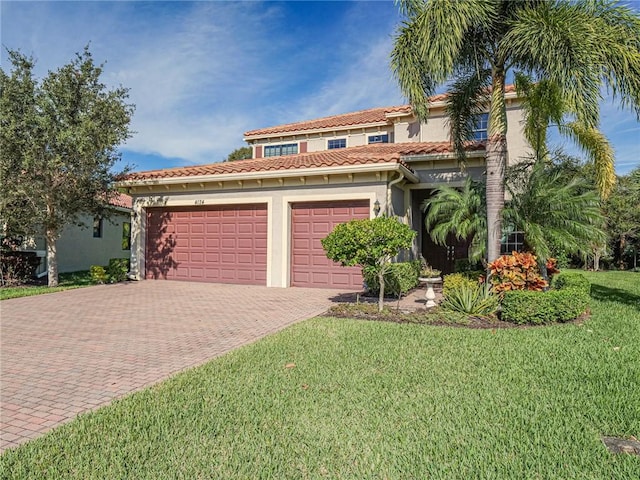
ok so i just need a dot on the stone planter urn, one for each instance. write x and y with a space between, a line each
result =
431 294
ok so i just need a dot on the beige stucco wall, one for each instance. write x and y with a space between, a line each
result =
516 143
278 198
317 142
78 249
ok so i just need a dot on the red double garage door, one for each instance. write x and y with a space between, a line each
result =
311 222
223 244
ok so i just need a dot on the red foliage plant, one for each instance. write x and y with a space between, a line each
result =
518 271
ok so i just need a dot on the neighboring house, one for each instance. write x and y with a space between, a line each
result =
93 243
260 221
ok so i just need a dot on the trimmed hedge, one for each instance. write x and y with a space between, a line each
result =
571 280
400 278
566 302
526 306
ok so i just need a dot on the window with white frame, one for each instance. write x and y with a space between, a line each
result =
277 150
337 143
481 128
382 138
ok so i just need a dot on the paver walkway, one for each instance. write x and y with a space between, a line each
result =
65 353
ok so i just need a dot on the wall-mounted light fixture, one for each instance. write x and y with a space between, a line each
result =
376 208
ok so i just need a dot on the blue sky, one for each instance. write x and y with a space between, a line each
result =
203 73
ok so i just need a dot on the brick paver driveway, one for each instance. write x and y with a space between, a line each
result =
70 352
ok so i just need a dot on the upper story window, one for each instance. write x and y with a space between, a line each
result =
337 143
481 127
277 150
379 138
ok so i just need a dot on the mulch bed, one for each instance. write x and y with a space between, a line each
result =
433 316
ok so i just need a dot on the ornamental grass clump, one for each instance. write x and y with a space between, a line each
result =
471 298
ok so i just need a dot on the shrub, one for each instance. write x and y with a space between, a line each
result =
369 243
17 267
399 279
571 280
98 274
538 308
117 269
464 265
518 271
470 298
456 280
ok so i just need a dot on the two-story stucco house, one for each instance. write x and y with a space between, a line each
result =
260 221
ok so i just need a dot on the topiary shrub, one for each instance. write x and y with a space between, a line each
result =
571 280
398 279
117 269
98 274
471 298
369 243
518 271
533 307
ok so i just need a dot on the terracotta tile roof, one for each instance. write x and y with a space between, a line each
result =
364 155
122 200
362 117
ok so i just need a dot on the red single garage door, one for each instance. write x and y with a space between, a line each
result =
310 222
224 244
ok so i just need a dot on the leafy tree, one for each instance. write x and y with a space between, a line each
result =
58 147
369 243
462 212
578 46
623 216
241 153
552 211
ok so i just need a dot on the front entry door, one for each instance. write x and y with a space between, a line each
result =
444 257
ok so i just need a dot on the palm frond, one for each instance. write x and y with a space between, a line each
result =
580 46
553 210
461 212
596 146
467 99
427 45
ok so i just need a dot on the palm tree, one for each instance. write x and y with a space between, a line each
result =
544 107
578 46
461 212
553 211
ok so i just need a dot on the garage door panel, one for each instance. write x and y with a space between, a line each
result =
311 222
213 243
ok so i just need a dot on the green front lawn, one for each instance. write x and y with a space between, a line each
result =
378 400
66 281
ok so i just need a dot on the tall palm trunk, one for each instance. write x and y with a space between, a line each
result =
496 164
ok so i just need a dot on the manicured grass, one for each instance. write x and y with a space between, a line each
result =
378 400
66 281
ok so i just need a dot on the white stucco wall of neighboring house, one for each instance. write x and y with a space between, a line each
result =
78 249
278 197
